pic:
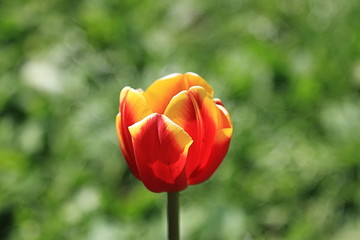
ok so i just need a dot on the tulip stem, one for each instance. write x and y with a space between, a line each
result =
173 215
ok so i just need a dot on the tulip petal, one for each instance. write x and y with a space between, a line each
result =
161 148
162 90
197 114
219 149
223 115
133 108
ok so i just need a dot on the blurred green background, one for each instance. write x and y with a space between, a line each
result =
288 71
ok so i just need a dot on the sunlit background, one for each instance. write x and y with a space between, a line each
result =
288 71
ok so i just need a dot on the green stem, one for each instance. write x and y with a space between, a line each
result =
173 215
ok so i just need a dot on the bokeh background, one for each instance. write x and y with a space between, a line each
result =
287 70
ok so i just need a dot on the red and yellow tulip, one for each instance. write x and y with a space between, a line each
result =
175 133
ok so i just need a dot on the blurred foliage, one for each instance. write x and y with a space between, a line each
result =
288 71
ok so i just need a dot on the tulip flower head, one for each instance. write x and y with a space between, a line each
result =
175 133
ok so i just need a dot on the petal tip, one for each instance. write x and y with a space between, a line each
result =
193 74
171 75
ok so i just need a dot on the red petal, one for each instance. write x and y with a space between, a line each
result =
223 115
197 114
219 148
161 149
133 107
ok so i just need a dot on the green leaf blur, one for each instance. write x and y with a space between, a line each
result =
288 71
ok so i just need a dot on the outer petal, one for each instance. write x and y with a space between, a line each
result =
162 90
196 112
219 149
133 107
223 115
161 149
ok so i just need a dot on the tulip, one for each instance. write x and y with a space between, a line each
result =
175 133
